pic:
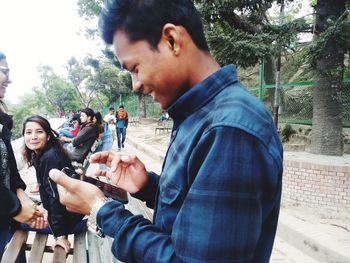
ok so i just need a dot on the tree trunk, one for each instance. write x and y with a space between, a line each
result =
269 77
141 105
327 131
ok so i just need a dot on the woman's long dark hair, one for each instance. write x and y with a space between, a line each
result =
30 156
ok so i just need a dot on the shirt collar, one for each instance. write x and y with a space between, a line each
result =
201 93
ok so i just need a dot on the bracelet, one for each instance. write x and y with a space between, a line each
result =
92 222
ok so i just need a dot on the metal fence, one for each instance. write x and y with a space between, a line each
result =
130 103
296 101
295 104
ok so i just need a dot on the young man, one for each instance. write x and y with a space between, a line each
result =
111 120
122 124
85 138
218 197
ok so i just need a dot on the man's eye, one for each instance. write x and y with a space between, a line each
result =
27 132
134 70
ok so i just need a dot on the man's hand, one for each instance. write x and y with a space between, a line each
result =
126 172
76 195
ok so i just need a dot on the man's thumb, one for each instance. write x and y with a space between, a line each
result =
59 177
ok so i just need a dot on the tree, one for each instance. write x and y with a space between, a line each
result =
331 41
78 73
110 82
55 92
90 9
242 33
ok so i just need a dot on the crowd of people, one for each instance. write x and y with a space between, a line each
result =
225 157
45 149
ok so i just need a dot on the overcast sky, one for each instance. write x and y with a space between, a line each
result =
40 31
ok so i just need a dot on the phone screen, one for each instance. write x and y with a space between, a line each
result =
109 190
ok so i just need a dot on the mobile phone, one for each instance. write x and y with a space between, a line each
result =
109 190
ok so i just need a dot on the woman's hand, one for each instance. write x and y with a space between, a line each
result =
29 210
62 242
41 221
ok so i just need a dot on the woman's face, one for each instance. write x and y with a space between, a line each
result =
4 77
35 137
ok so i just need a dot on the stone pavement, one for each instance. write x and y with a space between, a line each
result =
302 237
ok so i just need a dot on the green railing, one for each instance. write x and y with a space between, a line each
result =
296 100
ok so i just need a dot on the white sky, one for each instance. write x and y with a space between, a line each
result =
34 32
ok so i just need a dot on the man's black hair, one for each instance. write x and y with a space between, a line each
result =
89 112
144 20
111 108
121 106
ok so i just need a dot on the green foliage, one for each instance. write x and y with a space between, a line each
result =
110 82
89 8
337 31
239 32
30 105
56 93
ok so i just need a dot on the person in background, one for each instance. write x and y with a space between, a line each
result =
69 131
16 207
122 124
164 116
99 122
106 139
111 120
44 151
218 196
88 133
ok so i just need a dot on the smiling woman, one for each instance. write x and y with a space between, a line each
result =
44 151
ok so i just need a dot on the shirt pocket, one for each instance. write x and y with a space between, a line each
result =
171 199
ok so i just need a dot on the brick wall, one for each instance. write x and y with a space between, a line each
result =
317 185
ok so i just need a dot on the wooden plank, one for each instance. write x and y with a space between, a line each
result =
59 255
14 247
37 251
80 248
110 242
105 249
93 249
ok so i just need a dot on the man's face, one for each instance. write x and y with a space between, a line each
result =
4 77
155 72
84 118
121 109
111 112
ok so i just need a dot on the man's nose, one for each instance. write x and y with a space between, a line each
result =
136 85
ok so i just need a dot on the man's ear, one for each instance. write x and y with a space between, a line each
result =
172 36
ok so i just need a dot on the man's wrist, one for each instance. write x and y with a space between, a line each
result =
92 218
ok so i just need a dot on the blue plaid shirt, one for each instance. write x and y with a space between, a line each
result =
218 196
